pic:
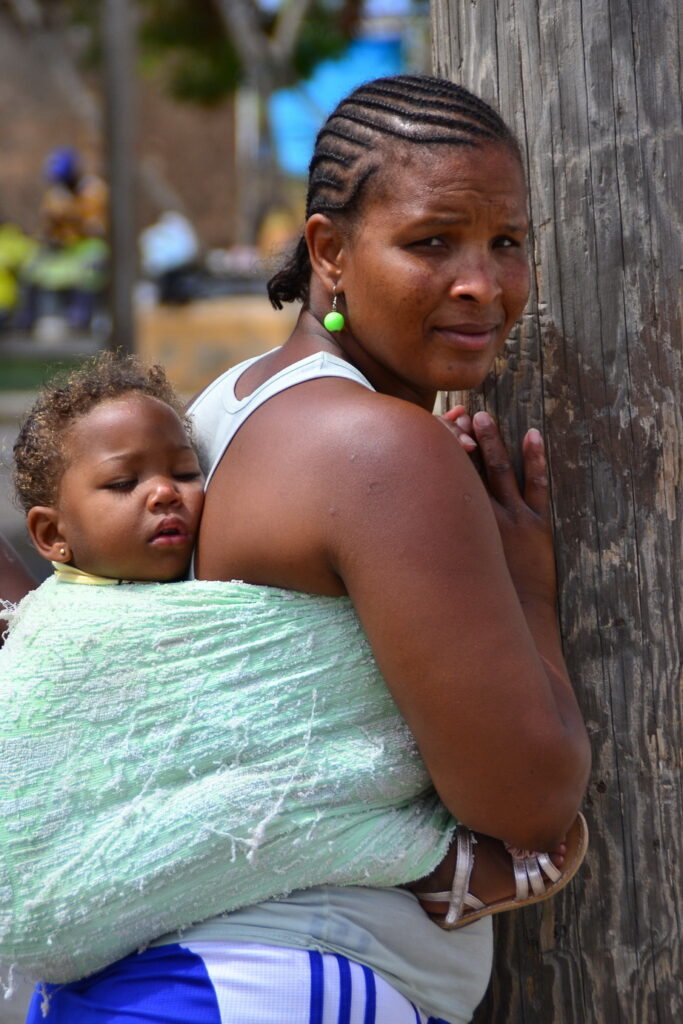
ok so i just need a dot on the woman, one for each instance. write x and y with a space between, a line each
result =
340 483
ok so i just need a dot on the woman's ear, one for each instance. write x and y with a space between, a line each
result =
45 531
325 242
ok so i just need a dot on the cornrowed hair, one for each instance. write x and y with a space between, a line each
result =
40 451
354 143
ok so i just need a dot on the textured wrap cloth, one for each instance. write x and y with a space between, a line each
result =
169 752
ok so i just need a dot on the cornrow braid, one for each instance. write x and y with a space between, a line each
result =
354 142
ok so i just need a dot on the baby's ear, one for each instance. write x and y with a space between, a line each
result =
45 532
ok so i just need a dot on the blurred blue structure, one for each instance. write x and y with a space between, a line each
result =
297 113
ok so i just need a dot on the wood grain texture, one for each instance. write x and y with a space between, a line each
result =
593 91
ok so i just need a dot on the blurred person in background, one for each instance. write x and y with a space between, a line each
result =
69 271
16 249
169 251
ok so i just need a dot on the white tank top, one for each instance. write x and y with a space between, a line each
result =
218 414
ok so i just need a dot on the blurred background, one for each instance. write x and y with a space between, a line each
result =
153 169
155 155
154 163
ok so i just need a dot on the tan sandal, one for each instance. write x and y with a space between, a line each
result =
461 908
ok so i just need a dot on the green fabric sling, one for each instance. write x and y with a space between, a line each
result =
169 752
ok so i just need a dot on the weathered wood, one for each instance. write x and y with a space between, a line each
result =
593 91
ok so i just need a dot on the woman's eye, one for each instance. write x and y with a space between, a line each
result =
506 242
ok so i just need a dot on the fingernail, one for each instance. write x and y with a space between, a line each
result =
482 419
535 436
467 442
463 422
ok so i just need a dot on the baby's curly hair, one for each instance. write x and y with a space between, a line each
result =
40 456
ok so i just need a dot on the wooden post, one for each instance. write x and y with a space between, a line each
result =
593 93
117 26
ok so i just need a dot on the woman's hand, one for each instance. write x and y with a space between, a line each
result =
523 517
459 422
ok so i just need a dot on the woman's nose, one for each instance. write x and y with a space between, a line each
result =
476 278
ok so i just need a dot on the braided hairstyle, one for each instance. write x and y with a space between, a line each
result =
354 144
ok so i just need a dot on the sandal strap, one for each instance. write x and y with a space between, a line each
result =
521 878
534 875
529 868
553 873
464 862
473 902
470 900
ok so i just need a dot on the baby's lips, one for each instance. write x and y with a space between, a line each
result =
172 527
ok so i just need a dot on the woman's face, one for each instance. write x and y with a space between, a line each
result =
435 271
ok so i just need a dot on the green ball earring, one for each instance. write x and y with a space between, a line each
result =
334 320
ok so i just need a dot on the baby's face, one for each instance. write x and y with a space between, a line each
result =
131 496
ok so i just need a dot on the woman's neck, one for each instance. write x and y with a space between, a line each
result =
309 336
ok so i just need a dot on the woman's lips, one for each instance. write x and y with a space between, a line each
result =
469 337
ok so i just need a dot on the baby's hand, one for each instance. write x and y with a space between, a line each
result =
459 423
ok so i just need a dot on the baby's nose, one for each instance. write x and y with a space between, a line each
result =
164 492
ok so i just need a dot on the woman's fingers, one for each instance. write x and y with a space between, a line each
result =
459 423
523 518
536 491
500 474
499 471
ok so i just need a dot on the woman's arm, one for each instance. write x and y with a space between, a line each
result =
533 576
465 628
341 490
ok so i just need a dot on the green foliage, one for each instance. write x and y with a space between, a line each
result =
199 59
325 33
186 40
203 66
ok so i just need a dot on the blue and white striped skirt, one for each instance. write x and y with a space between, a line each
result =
227 983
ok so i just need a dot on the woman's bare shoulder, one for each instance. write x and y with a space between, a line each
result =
340 418
325 471
394 449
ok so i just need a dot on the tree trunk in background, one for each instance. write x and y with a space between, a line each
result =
119 47
593 93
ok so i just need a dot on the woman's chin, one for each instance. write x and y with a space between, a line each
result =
465 379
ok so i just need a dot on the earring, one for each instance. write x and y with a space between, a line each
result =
62 552
334 320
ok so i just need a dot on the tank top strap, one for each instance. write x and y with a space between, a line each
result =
217 414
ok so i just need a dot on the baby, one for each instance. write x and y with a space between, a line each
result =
107 473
